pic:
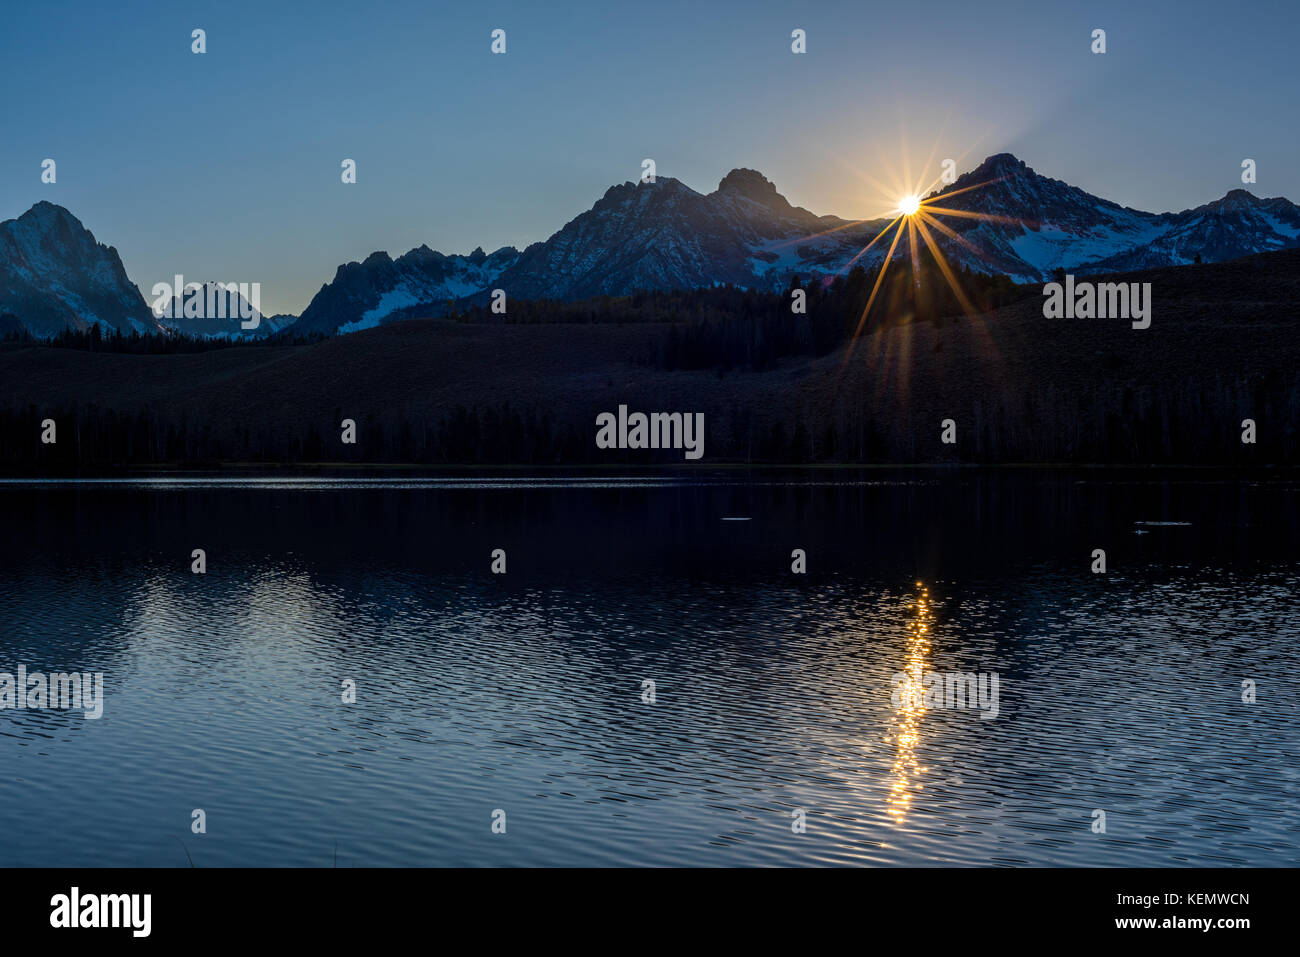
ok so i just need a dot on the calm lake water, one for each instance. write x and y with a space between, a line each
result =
1119 692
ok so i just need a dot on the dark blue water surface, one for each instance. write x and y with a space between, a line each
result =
1119 692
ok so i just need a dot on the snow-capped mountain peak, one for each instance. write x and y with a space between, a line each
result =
54 275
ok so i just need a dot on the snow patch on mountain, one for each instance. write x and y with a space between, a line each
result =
54 275
366 294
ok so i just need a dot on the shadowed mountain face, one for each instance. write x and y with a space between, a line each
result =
383 289
1044 224
660 235
214 310
666 236
55 276
1229 228
1033 224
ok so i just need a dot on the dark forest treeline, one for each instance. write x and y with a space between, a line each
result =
1155 425
95 339
93 437
728 328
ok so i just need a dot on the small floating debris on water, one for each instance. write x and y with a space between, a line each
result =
735 518
1161 524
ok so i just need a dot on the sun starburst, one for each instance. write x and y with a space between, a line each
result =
916 214
916 211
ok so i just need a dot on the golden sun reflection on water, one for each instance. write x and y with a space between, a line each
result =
906 772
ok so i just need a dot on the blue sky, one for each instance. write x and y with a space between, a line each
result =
226 166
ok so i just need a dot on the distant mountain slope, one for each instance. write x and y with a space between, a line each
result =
220 311
365 294
665 235
1237 225
54 275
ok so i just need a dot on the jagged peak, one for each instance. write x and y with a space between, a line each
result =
663 188
659 182
751 184
618 189
1008 169
669 183
1240 197
354 267
744 179
421 253
44 214
43 208
1002 164
1234 200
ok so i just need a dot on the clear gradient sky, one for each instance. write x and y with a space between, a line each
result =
226 166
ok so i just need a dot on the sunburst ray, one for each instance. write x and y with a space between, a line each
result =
917 213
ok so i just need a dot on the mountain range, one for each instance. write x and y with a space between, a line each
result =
664 235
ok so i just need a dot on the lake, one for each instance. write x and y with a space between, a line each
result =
773 735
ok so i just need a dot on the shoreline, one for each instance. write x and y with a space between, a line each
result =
680 471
